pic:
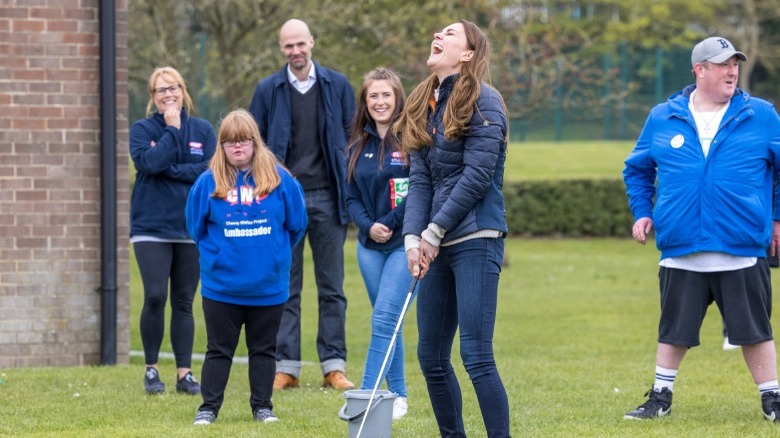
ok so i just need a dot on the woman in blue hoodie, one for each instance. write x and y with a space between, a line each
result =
378 175
245 213
170 149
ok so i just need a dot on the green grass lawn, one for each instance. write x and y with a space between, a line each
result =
575 343
566 160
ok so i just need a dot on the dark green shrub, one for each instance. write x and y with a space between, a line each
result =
572 208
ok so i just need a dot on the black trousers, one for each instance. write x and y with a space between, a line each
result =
223 328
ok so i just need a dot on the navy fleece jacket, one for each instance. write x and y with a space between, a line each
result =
167 161
377 195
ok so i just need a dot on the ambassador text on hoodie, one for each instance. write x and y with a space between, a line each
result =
245 242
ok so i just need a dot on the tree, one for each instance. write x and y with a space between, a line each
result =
242 40
548 55
751 25
589 58
223 47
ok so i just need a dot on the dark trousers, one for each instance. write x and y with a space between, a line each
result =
158 263
326 236
223 328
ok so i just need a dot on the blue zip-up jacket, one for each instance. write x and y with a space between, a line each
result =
270 107
245 242
377 195
167 162
457 184
721 203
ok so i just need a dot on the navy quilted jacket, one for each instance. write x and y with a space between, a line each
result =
457 184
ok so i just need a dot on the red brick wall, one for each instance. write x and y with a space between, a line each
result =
50 183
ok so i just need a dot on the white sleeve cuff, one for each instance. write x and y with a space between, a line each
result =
411 242
433 234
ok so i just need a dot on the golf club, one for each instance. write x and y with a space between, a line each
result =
389 349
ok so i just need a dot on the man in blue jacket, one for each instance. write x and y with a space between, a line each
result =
701 173
304 113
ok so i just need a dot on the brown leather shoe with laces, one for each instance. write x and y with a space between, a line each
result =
337 380
284 380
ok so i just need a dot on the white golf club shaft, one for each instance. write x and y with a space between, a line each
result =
387 354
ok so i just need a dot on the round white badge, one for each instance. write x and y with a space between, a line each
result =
677 141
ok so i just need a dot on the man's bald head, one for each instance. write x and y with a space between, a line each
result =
294 26
296 43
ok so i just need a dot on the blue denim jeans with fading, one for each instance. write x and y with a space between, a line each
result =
387 282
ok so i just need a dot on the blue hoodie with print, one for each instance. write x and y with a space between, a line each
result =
245 242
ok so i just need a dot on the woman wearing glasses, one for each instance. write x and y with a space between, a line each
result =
245 213
170 149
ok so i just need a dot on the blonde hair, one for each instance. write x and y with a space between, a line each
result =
240 125
172 75
412 125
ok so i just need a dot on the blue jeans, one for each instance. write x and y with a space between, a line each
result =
461 291
326 236
387 283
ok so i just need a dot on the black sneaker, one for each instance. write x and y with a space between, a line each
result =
658 405
770 403
152 382
264 415
204 418
188 384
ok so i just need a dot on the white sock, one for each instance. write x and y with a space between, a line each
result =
664 378
770 386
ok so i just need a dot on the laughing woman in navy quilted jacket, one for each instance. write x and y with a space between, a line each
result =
170 149
454 127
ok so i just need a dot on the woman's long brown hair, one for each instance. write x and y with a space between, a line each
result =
359 137
460 107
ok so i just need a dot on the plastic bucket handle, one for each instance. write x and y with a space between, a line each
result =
343 412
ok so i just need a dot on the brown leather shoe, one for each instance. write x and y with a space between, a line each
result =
337 380
284 380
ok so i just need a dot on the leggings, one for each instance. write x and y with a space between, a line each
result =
159 262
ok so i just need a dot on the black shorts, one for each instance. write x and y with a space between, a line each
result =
744 298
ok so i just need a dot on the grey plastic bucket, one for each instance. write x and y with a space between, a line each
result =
379 422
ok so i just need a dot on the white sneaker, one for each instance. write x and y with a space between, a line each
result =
400 407
728 345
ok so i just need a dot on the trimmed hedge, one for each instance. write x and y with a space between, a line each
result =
571 208
565 208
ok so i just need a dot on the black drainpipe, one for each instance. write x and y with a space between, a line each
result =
108 142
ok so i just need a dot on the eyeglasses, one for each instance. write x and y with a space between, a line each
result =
161 91
242 143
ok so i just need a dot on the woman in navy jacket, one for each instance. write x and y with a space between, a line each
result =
455 129
170 149
378 174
